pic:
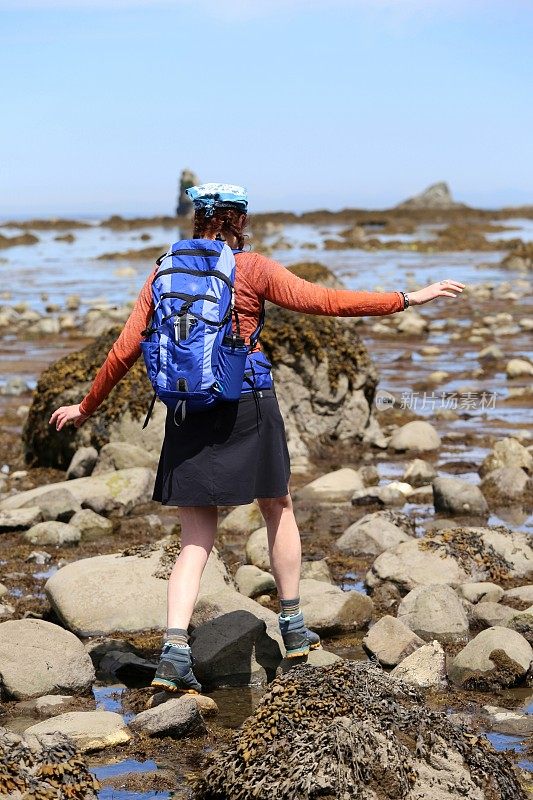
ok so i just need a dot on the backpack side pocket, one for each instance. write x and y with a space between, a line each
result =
150 351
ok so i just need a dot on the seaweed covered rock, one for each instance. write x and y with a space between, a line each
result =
351 731
48 766
455 556
325 384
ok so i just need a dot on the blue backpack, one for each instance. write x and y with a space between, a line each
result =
193 358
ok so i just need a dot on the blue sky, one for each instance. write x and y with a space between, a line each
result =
308 103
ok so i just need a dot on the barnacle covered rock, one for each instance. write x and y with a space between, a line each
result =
350 731
43 768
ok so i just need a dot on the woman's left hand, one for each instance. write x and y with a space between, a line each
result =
65 414
444 288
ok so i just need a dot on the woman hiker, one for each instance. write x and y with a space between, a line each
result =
233 452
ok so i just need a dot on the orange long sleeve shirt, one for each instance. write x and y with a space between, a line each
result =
257 278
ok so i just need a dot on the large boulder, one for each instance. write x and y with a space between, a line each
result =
38 658
327 608
390 641
119 418
434 612
455 556
375 533
495 658
118 492
349 730
234 650
117 592
324 378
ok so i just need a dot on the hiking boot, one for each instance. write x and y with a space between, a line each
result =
174 671
298 639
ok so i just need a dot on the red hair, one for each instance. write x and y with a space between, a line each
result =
224 222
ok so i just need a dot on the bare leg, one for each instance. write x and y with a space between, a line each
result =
284 544
198 531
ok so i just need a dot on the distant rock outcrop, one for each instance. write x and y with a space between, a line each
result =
437 195
187 179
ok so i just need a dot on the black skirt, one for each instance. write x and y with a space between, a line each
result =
228 455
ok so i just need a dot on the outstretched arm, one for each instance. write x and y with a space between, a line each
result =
123 354
277 284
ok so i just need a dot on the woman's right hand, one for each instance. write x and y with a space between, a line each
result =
66 414
445 288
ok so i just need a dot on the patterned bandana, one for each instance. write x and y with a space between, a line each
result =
218 195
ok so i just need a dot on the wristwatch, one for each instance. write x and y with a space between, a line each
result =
405 300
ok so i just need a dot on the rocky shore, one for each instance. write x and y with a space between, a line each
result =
418 569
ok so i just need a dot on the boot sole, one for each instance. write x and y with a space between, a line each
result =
161 683
304 651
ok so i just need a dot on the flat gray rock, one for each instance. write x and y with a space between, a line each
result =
90 730
491 614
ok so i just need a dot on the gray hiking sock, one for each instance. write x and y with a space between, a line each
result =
177 636
290 607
